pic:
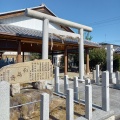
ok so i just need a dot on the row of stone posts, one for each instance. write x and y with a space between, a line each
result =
70 96
115 78
88 92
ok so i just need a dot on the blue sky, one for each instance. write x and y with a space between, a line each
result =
102 15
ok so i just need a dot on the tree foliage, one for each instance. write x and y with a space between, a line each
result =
116 62
98 56
88 36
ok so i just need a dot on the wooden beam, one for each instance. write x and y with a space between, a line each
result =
65 60
19 52
23 57
87 61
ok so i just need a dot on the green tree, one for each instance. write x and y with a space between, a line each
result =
88 36
98 56
116 62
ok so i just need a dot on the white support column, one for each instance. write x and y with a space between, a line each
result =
94 75
45 40
110 58
81 55
4 100
112 78
88 102
97 74
76 91
66 85
69 105
117 78
57 79
44 106
105 91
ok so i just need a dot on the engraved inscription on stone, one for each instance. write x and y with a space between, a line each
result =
27 71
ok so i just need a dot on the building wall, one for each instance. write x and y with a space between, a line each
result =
27 22
13 55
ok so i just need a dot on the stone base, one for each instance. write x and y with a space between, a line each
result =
39 84
14 88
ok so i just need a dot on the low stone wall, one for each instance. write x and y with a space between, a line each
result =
30 111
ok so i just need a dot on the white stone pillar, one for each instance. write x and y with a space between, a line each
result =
81 55
105 91
110 63
94 75
44 106
66 85
88 102
97 74
117 78
57 79
76 91
4 100
69 105
45 40
110 58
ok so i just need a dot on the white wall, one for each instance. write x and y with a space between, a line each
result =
27 22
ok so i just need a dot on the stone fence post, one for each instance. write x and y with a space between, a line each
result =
105 91
57 79
69 105
66 85
97 74
117 77
88 102
44 106
4 100
76 91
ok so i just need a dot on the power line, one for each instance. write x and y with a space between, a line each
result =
105 21
104 25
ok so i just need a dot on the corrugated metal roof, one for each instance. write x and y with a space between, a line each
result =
31 33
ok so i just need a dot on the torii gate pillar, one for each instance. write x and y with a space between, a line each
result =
45 39
81 55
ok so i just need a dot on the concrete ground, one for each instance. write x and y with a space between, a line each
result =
96 96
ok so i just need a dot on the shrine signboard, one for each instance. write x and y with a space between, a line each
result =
27 72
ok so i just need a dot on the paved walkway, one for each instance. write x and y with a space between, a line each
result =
96 95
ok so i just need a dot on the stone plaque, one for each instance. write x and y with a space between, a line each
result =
27 72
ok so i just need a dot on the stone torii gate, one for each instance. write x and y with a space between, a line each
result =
46 19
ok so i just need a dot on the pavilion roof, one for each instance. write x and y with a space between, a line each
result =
12 30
